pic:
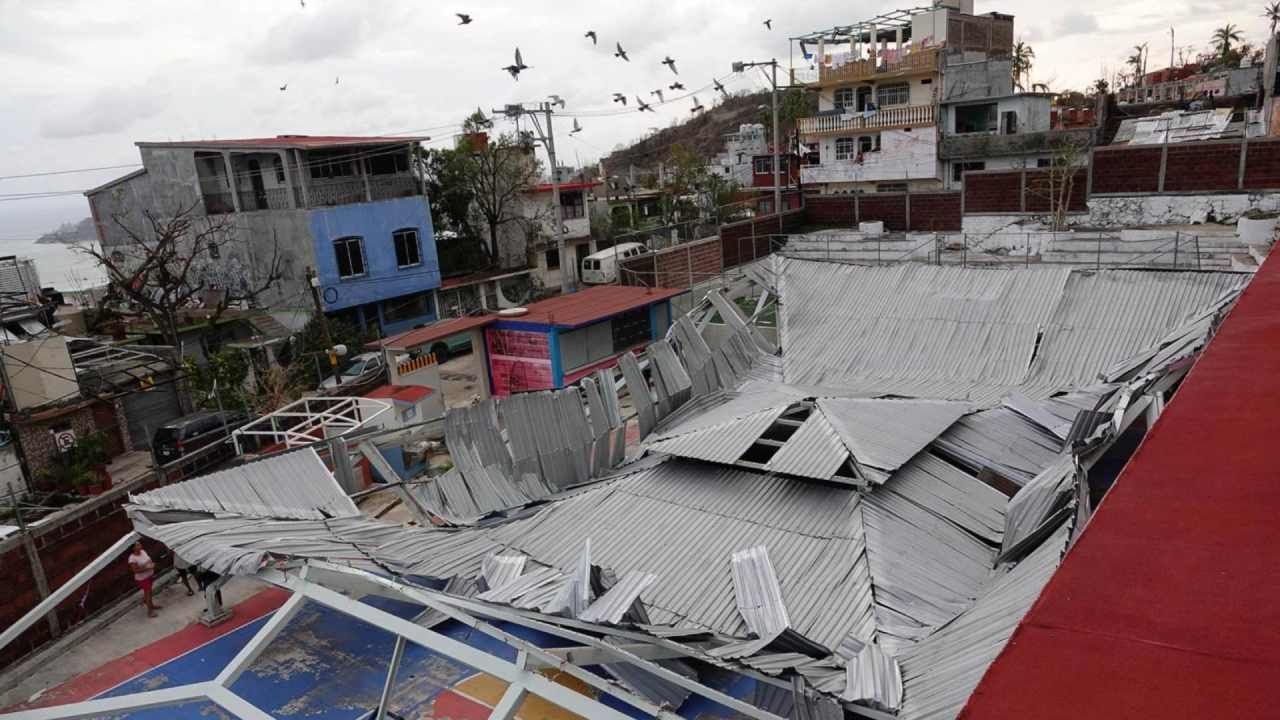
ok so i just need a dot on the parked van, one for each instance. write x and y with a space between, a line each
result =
602 267
193 433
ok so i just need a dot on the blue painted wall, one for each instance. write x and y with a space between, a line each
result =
375 222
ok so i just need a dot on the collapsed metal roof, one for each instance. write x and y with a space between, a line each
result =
874 552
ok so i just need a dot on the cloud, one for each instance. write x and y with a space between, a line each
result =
1076 23
314 35
110 111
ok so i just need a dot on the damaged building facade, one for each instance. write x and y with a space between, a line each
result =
847 523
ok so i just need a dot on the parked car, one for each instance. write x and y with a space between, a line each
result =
451 347
602 268
361 365
191 434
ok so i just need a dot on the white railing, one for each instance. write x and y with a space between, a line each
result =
894 117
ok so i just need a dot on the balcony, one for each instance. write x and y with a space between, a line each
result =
852 123
320 193
920 62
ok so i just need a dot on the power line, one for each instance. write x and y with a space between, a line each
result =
69 172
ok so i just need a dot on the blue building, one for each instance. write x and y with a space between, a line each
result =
349 209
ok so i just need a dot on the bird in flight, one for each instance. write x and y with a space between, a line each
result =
675 86
671 63
303 3
620 98
643 105
658 92
620 53
463 18
719 86
592 34
769 23
697 106
556 100
337 80
284 87
576 127
518 67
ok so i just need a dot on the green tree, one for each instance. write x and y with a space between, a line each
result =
1223 37
220 380
1023 57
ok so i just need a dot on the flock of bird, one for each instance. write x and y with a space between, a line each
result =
519 66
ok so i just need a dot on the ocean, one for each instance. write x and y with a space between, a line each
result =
59 266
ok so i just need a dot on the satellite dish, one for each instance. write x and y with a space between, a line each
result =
513 312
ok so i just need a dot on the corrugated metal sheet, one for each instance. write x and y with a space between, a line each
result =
1004 442
976 334
885 434
294 485
814 451
725 443
499 570
613 605
759 597
873 678
940 673
1038 500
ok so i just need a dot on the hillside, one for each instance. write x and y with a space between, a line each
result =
704 133
71 233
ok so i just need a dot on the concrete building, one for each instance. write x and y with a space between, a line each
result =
349 207
577 197
986 123
736 163
878 84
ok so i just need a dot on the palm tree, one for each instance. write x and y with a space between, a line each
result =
1272 13
1022 56
1223 37
1139 62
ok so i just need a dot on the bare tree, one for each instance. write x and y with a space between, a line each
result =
498 174
1069 157
167 266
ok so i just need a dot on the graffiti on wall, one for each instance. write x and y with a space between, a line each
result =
519 361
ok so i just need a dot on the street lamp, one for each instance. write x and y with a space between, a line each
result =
739 67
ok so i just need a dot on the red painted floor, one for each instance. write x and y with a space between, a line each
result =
1167 607
157 653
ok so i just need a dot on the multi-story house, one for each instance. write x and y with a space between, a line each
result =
986 123
736 163
350 208
879 86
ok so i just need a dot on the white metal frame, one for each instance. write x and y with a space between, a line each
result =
313 419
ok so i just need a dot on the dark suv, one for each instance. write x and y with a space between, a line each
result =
191 434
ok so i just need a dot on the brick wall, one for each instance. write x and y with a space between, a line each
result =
1202 167
682 266
1126 170
993 192
936 211
65 546
1043 190
1262 165
36 438
749 240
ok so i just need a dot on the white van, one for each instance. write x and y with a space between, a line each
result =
602 268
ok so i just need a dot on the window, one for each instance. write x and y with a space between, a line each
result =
844 98
764 207
553 258
763 166
408 307
891 187
1010 122
959 169
631 329
389 164
866 144
408 251
573 206
1044 162
214 252
893 95
846 148
350 255
278 164
330 166
976 119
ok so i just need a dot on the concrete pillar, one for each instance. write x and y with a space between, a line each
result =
288 178
873 46
231 181
899 42
364 175
304 173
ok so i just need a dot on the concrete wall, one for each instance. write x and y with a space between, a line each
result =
374 222
122 203
175 183
1032 112
11 478
903 155
975 80
37 438
39 372
286 232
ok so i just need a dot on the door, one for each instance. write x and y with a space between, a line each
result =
145 411
104 420
259 189
864 97
581 252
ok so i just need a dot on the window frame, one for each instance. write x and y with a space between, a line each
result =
417 247
902 89
844 106
851 152
762 162
345 243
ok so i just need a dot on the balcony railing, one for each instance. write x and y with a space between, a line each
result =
269 199
323 193
918 62
894 117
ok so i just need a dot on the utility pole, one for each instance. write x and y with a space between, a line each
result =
777 169
314 281
568 273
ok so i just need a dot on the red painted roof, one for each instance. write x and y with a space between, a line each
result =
429 334
400 393
565 187
301 142
1166 607
593 304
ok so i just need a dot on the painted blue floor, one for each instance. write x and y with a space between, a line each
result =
328 666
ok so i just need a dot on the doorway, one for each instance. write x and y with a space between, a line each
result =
259 188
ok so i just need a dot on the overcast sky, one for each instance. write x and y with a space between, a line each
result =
83 80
